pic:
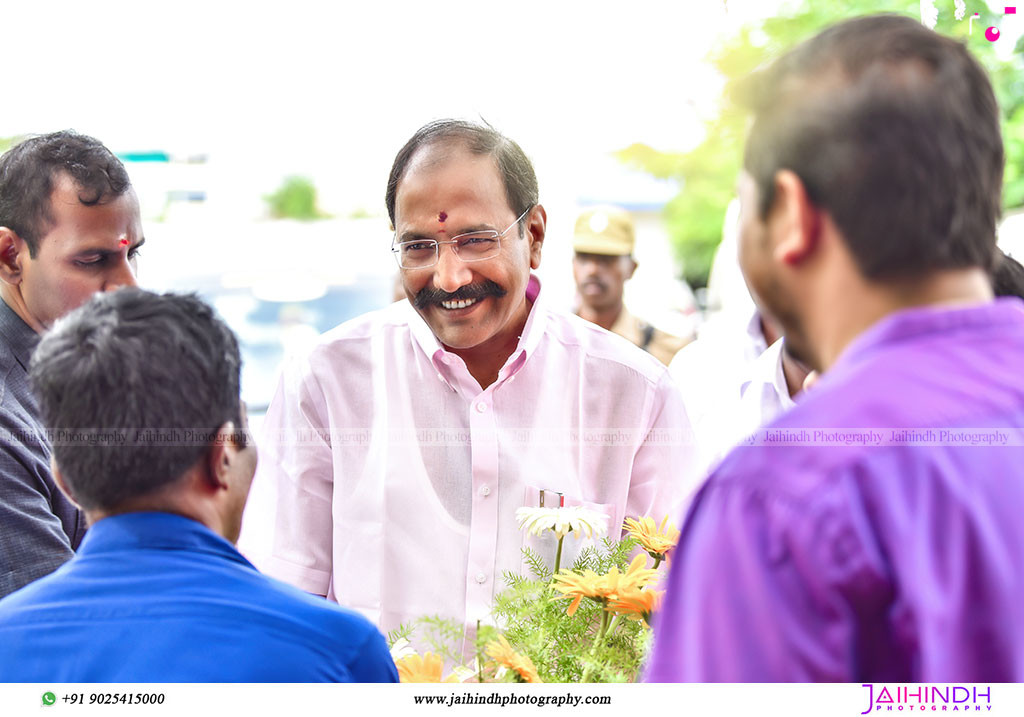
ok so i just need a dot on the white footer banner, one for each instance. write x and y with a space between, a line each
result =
846 700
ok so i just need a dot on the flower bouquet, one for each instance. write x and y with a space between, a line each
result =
585 623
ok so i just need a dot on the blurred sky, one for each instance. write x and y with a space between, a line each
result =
332 90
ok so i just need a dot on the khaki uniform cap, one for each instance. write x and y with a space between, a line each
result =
604 230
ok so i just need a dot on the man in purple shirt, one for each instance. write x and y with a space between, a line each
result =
873 533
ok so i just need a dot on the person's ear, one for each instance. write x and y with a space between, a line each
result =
13 249
221 456
794 219
58 478
632 268
536 226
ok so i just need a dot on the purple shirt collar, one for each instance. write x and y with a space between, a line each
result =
917 321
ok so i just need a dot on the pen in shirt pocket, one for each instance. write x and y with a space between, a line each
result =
543 496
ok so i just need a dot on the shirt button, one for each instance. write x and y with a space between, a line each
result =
481 407
481 578
485 491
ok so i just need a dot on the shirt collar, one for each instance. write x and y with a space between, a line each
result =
767 371
160 531
922 321
756 334
19 336
528 342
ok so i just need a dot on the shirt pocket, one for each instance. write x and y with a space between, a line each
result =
545 545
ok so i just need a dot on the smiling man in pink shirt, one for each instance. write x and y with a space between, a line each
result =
400 448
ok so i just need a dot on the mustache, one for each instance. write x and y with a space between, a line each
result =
429 295
596 282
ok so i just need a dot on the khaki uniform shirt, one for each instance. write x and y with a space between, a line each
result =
663 346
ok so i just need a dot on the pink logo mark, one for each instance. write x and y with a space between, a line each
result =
992 34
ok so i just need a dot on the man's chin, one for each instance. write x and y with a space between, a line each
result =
459 341
460 338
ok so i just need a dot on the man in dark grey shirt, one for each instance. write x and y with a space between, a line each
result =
69 227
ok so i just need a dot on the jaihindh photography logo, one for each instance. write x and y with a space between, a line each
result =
927 698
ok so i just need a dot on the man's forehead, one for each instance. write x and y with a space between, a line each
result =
473 178
113 219
438 156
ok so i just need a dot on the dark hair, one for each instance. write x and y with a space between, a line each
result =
133 387
894 130
28 171
1008 276
514 166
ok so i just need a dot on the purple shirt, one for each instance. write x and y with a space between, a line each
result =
894 563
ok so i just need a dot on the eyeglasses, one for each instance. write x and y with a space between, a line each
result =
472 246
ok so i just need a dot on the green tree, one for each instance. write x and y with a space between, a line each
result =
294 199
708 172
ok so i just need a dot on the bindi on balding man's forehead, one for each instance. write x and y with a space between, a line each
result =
442 216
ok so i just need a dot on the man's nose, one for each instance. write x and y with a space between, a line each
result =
451 272
122 275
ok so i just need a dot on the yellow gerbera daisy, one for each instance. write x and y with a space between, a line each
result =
502 653
428 668
656 540
636 604
603 587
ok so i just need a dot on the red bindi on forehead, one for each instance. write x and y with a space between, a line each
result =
124 242
442 216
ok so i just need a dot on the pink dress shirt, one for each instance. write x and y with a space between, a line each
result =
396 478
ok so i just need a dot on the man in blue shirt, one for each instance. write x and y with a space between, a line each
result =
141 395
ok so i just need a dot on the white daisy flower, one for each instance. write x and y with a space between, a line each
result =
562 521
401 649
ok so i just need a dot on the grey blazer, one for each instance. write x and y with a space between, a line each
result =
39 526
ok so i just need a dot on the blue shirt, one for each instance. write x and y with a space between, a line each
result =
874 533
155 597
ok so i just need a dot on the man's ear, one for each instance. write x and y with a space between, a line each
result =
221 455
12 251
632 268
536 227
58 478
796 221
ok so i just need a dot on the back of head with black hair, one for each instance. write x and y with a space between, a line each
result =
1008 277
133 387
28 172
514 166
894 130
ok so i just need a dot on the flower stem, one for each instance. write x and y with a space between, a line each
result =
479 657
601 632
558 555
657 561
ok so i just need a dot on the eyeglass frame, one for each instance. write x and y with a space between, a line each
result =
396 245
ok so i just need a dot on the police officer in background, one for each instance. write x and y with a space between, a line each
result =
603 243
